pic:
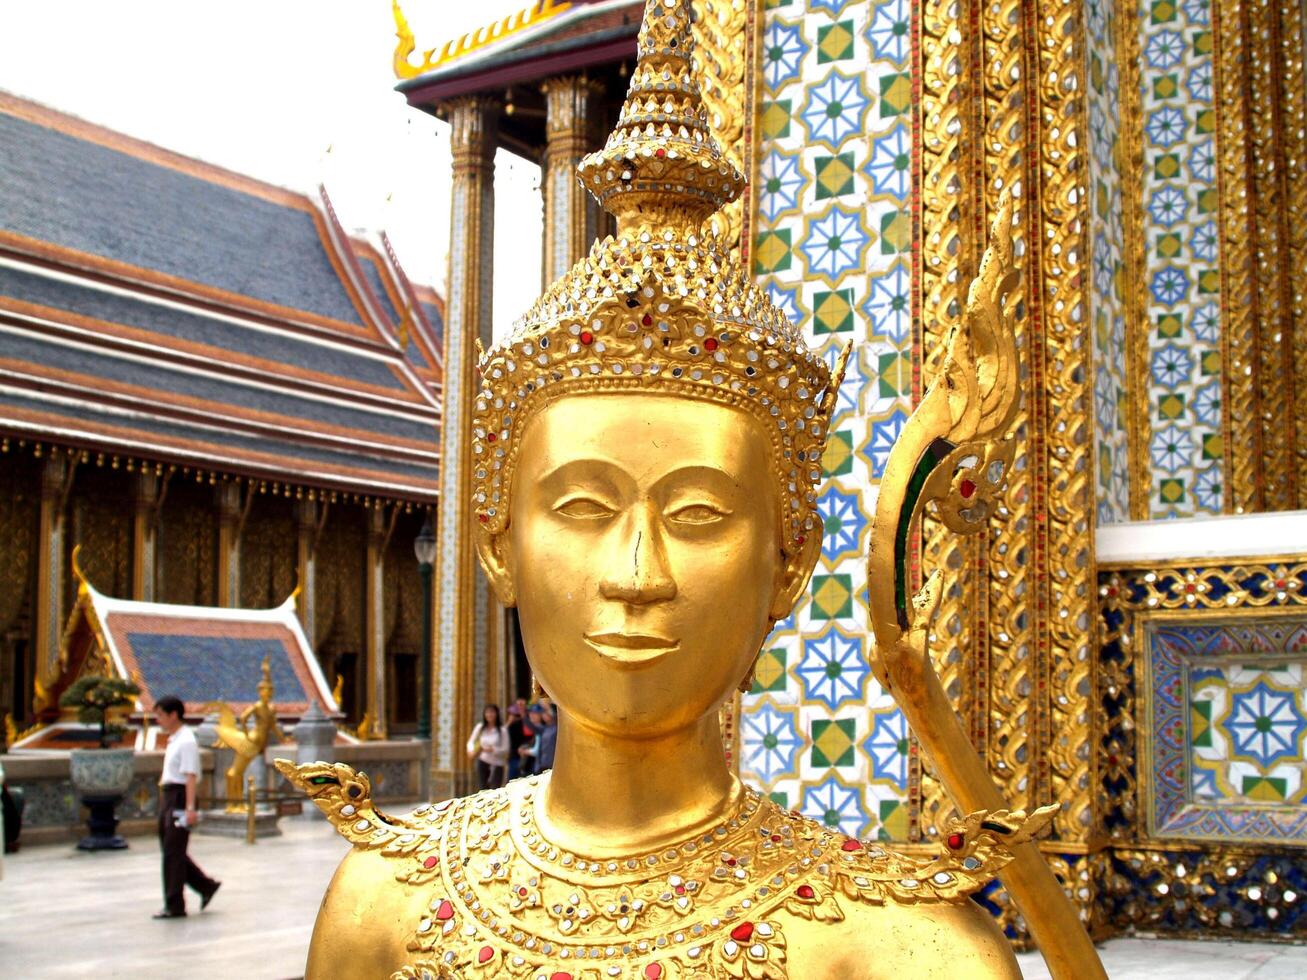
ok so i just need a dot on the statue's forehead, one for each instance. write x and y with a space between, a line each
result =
645 431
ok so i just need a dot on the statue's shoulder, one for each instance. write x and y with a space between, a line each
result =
970 853
344 795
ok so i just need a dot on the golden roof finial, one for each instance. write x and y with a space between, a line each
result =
661 165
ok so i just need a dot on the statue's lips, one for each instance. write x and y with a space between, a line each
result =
631 648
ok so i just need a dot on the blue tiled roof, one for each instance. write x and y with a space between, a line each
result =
295 460
214 668
212 331
80 195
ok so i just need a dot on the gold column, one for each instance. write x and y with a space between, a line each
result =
307 525
461 593
1261 140
572 215
145 536
56 484
375 620
229 544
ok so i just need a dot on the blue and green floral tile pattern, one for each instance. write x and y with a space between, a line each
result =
1181 248
1227 713
832 247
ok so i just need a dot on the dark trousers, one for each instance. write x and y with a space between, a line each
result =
488 776
178 869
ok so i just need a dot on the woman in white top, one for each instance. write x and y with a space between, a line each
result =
489 747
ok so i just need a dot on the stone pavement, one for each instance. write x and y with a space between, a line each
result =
64 914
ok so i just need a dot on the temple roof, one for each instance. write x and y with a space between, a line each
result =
160 307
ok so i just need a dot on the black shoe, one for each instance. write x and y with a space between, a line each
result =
207 897
168 914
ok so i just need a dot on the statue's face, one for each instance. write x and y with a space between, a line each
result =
643 554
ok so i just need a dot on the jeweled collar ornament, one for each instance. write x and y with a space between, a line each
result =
662 306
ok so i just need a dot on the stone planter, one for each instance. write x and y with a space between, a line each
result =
101 777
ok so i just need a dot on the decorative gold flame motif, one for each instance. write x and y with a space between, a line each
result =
537 13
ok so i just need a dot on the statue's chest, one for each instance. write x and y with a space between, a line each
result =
504 903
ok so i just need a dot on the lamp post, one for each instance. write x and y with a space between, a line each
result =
424 547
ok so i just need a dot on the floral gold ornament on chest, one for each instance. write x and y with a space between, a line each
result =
646 448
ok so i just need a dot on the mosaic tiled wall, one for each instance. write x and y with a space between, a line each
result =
1107 245
832 245
1202 683
1227 713
1182 254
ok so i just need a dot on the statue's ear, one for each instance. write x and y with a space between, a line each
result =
796 569
494 551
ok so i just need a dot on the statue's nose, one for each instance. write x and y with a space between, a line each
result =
637 570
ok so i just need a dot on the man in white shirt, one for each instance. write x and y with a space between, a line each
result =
177 814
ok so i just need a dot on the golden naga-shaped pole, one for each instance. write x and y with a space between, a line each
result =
952 458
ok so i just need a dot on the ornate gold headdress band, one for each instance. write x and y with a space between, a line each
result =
661 307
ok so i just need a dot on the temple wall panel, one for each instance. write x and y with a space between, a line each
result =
267 553
101 513
20 504
832 244
187 564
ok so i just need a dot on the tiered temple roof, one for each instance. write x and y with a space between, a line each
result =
157 307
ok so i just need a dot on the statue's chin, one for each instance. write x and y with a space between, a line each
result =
627 716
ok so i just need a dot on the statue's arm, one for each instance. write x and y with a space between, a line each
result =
359 923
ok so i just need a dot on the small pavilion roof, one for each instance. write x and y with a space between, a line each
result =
156 306
547 38
197 653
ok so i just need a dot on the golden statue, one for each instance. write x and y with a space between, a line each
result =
647 448
236 733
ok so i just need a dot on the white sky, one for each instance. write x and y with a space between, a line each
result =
264 87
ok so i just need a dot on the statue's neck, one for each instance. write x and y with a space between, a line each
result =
609 797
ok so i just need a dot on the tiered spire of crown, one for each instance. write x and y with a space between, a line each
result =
661 165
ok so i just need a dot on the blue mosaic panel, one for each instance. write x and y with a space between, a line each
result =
199 669
832 248
1227 713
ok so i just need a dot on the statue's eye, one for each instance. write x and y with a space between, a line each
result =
583 508
697 514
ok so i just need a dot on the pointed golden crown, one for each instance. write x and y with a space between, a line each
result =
662 307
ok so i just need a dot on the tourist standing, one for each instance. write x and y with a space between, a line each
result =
488 745
177 811
548 738
516 737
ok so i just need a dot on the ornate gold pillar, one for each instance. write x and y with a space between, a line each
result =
1002 108
56 483
462 597
145 536
1261 139
229 544
572 216
375 620
307 526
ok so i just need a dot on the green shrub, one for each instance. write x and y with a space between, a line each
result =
94 698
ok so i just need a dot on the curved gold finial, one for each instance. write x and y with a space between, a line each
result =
539 11
954 453
82 580
661 163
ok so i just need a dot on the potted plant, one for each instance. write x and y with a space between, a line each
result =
101 776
